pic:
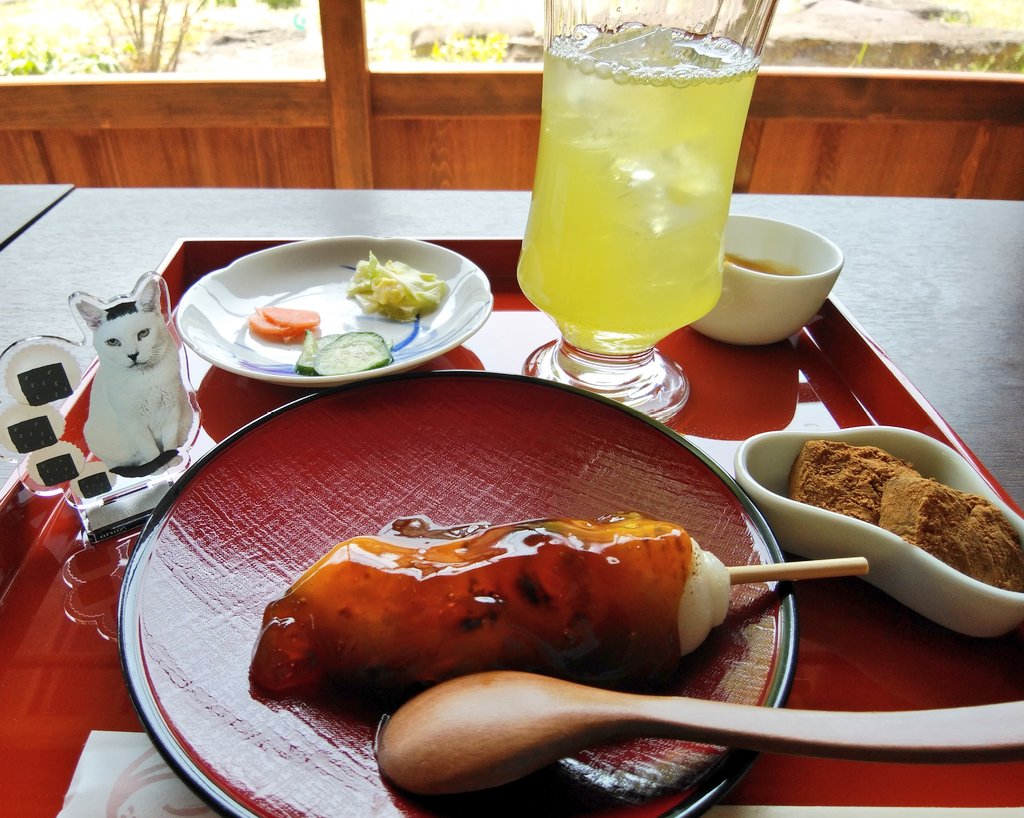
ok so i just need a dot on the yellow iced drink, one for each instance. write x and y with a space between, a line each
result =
640 132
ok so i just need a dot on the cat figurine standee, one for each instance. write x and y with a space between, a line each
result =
115 460
139 411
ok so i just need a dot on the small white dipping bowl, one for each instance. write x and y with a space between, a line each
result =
907 573
765 307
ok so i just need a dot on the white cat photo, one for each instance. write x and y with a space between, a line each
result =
139 410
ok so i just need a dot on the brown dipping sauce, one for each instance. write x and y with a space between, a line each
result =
775 268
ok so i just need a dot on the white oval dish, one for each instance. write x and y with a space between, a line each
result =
314 274
902 570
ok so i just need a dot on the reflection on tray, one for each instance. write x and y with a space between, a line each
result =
235 401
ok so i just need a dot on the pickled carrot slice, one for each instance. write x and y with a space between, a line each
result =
259 325
282 323
295 320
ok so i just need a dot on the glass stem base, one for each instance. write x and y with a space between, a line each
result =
646 380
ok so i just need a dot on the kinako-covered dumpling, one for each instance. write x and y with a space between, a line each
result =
612 602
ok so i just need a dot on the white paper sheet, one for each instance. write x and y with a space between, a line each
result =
122 774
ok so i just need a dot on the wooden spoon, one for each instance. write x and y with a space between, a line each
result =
463 709
488 729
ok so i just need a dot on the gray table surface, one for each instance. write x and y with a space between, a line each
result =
939 284
21 205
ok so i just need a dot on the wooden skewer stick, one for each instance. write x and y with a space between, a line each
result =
809 569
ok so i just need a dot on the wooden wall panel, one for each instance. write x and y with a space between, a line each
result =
80 156
162 100
748 154
168 157
456 92
922 158
869 133
861 95
995 168
490 153
162 156
293 157
238 157
938 159
343 27
23 159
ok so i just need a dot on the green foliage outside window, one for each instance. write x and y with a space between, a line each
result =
29 55
149 34
492 48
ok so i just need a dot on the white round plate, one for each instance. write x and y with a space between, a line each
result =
212 316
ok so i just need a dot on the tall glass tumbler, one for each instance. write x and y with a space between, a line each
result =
644 106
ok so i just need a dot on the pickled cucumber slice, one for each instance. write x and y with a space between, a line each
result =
307 358
351 352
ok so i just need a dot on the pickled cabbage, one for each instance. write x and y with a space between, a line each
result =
394 289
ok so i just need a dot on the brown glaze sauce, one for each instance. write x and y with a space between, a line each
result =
594 601
766 266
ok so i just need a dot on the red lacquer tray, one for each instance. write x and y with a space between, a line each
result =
858 650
